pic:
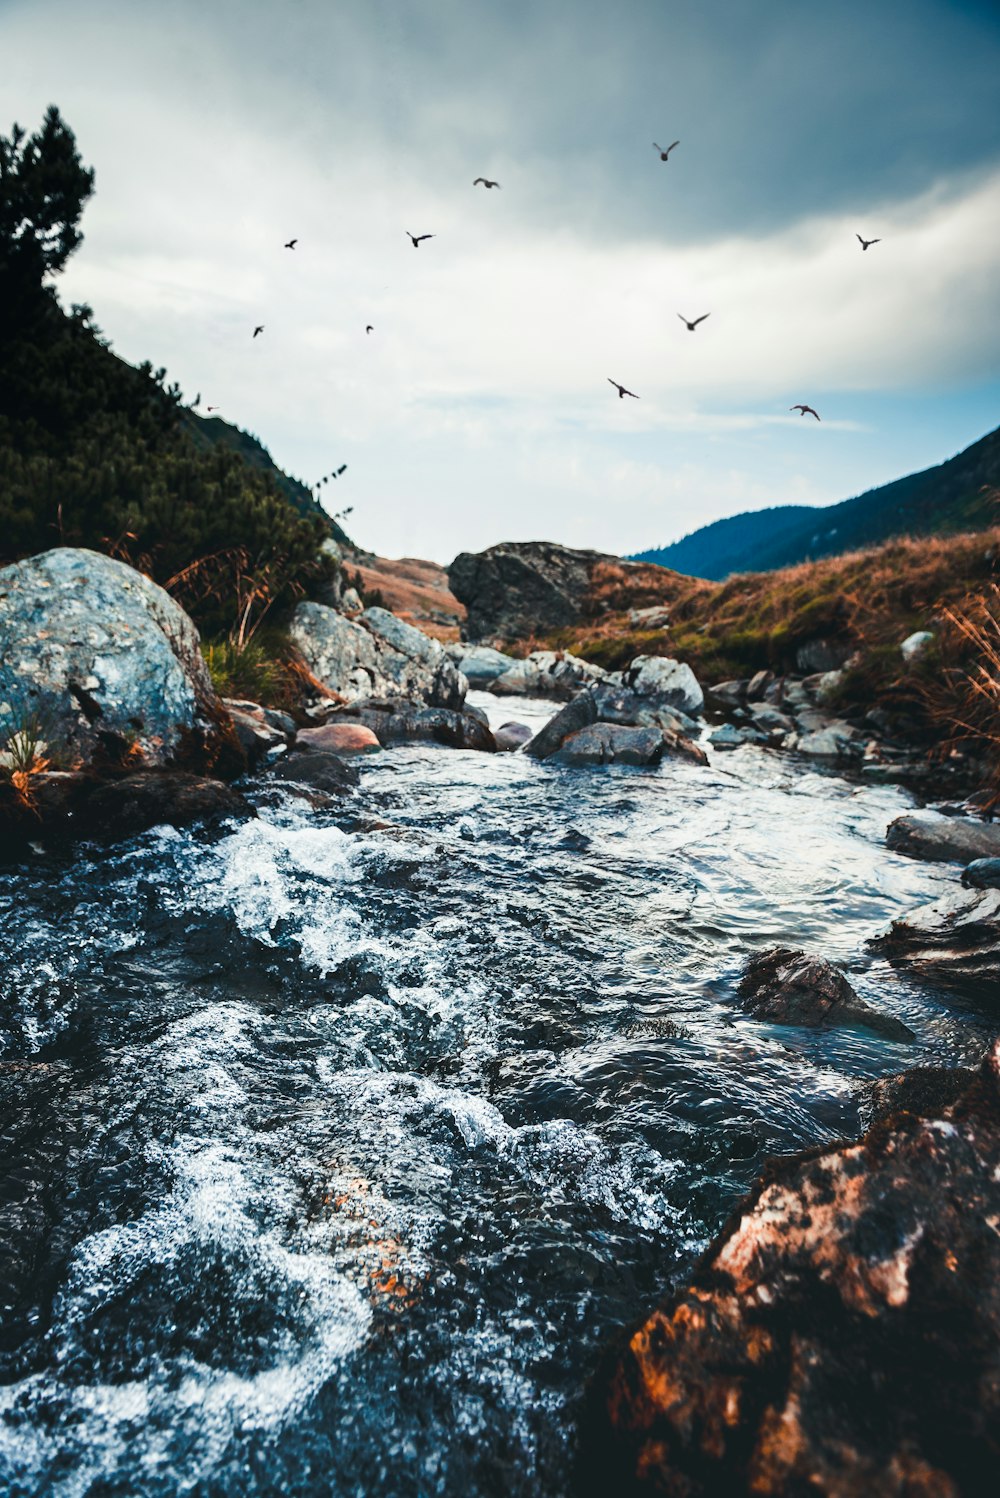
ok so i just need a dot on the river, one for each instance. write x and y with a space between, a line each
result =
338 1145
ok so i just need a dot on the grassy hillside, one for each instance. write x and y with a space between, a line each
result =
959 495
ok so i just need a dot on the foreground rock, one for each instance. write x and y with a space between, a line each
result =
955 941
841 1336
521 588
940 839
318 770
375 655
982 873
511 736
605 723
789 987
98 662
927 1091
612 743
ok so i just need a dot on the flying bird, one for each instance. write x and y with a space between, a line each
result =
369 328
692 325
622 391
486 182
864 243
290 244
213 408
258 329
342 469
664 153
804 409
416 238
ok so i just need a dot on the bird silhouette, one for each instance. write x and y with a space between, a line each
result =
486 182
213 408
864 243
622 391
664 153
804 409
369 328
692 325
342 469
416 238
258 329
290 244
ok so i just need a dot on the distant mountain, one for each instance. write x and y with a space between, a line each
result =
959 495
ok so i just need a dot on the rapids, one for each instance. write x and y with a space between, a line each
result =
337 1146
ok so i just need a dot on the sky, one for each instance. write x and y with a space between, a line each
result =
479 409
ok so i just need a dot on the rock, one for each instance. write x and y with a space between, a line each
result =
758 685
655 617
376 654
611 743
350 601
827 684
256 736
927 1091
338 738
788 987
92 653
319 769
822 655
729 693
729 736
511 736
982 873
522 588
938 839
398 720
954 941
620 705
480 664
579 713
835 741
122 808
546 673
769 719
840 1335
672 681
914 645
793 694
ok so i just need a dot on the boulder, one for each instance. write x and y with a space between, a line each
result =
620 705
788 987
654 617
521 588
914 645
398 720
579 713
839 1337
758 684
672 681
940 839
835 741
546 673
954 942
337 738
93 653
729 693
122 808
317 769
769 719
480 664
350 602
927 1091
257 737
375 654
510 736
731 736
982 873
614 743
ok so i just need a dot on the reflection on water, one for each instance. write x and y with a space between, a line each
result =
333 1157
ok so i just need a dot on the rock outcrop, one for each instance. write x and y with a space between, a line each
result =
789 987
941 839
521 587
375 655
840 1336
96 660
955 942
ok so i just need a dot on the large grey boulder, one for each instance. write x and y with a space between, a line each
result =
480 664
941 839
91 650
547 673
672 681
375 655
612 743
518 588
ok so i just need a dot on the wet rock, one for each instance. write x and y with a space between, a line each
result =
511 736
516 589
730 736
122 808
927 1091
835 741
338 738
788 987
729 693
613 743
620 705
954 941
257 736
480 664
982 873
396 720
579 713
769 719
914 645
839 1337
673 682
319 769
940 839
375 654
546 673
92 651
758 685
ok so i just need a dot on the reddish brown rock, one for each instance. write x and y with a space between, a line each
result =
338 738
841 1336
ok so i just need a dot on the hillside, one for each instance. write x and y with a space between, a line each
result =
958 495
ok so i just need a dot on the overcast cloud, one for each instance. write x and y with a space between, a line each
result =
479 408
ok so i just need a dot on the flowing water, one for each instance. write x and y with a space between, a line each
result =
339 1144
